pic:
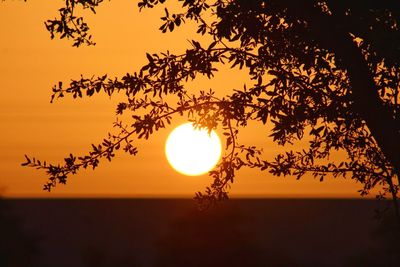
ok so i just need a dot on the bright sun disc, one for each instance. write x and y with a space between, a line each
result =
192 151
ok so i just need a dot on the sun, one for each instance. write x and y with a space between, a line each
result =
192 151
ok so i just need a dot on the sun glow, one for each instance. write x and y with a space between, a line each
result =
192 151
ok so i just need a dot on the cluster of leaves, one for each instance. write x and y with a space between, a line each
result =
70 26
59 173
300 86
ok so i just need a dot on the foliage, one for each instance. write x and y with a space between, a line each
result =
70 26
328 70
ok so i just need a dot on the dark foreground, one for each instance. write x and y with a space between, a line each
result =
165 232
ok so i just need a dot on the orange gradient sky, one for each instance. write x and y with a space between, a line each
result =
31 64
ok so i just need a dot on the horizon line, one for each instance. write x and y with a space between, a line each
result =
185 196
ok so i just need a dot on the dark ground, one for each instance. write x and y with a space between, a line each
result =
168 232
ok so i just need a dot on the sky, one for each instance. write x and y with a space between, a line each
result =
31 63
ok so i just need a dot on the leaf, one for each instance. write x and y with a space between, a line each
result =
149 57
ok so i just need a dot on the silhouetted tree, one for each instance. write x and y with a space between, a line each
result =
328 70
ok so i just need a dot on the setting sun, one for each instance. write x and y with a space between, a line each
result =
192 151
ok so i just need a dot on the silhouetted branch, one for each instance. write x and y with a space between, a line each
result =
318 69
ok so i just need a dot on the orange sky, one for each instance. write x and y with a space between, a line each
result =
31 63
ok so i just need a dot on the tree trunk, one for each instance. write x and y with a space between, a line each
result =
367 102
331 34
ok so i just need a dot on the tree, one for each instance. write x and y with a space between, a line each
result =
328 70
